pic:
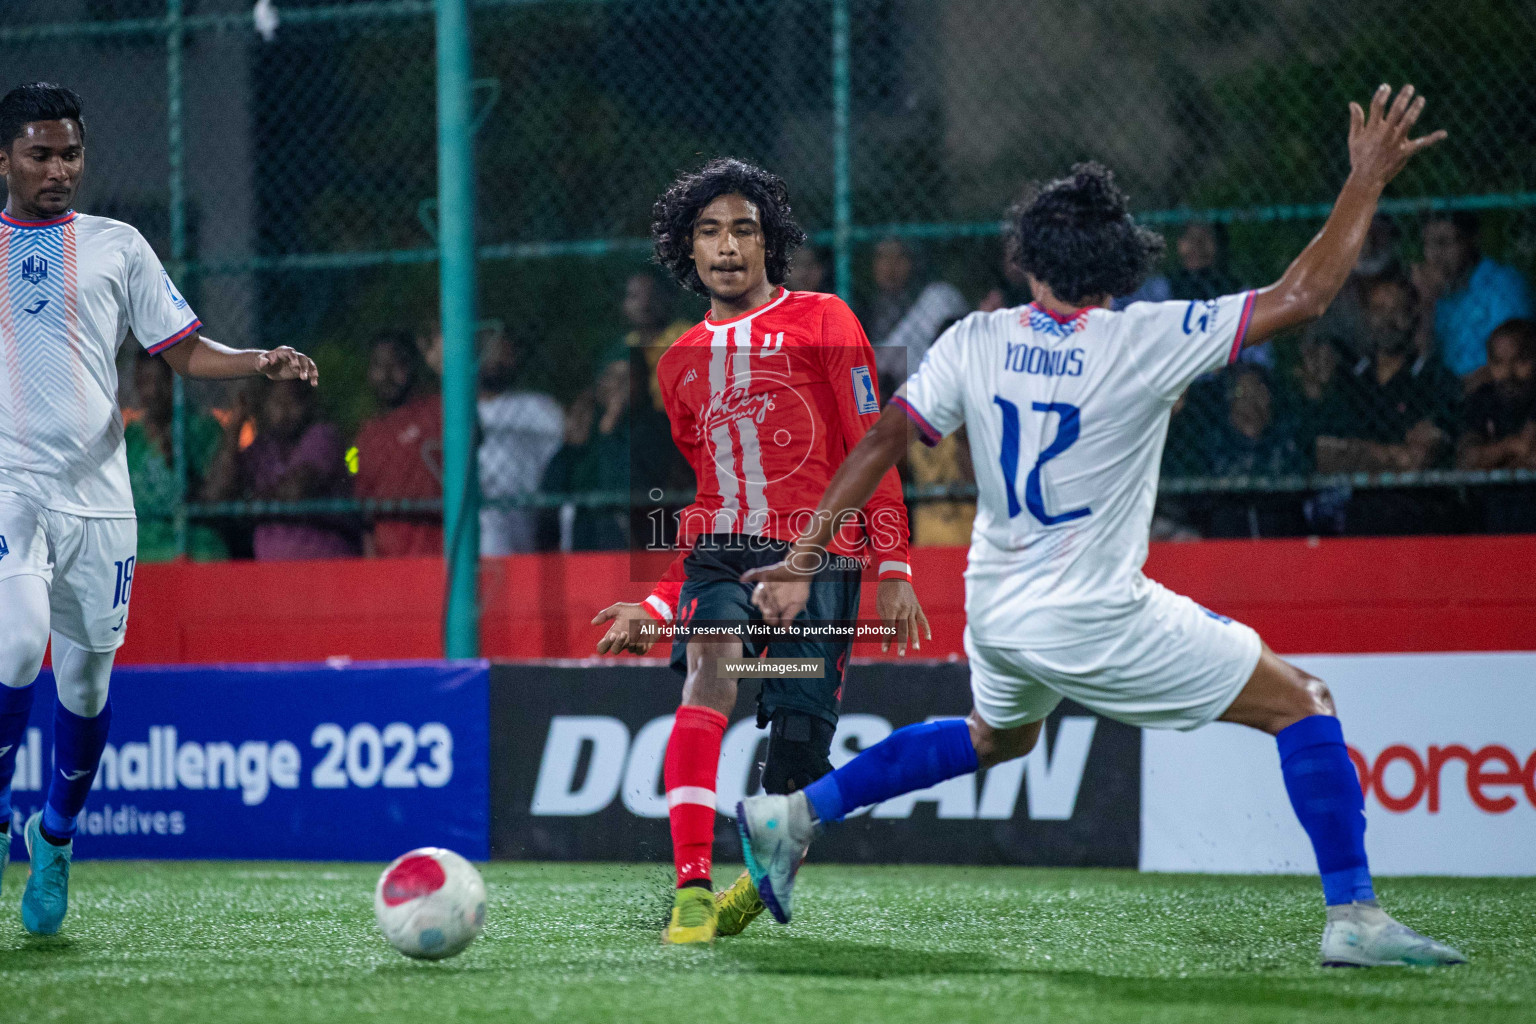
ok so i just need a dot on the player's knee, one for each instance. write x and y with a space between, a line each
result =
84 696
23 629
21 656
994 746
1315 696
799 746
1306 696
705 682
84 678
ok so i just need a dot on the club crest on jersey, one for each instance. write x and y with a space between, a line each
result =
34 269
4 548
864 397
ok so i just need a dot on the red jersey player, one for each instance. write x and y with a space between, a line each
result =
765 397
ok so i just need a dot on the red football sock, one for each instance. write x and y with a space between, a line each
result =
693 760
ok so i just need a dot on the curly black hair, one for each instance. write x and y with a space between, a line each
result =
673 217
1077 235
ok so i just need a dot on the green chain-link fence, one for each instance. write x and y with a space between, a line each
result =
282 159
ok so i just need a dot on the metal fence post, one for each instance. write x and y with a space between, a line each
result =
176 204
456 277
842 186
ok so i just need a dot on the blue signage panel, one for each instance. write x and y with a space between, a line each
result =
314 762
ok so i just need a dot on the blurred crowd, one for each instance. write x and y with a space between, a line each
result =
1417 366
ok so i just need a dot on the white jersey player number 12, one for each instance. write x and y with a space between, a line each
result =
1066 417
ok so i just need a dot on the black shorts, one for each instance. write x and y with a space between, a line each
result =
712 590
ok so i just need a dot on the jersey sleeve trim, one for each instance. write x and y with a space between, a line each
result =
181 335
657 607
930 434
1242 327
891 569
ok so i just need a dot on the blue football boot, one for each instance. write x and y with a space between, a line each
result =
46 899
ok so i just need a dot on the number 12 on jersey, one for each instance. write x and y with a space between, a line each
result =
1066 436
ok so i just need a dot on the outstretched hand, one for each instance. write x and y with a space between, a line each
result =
287 363
1379 146
623 635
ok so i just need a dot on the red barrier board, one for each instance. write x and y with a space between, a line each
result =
1303 596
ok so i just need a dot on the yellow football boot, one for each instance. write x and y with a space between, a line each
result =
737 906
693 917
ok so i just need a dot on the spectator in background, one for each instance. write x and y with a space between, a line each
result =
400 451
1202 272
429 342
1402 405
1249 442
520 431
892 270
1344 322
1500 428
647 312
295 457
1154 289
1010 291
611 443
905 321
1465 294
811 271
1318 402
152 467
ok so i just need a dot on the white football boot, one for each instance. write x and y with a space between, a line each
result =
775 834
1363 935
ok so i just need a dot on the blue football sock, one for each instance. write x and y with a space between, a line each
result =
15 706
1325 793
77 746
907 760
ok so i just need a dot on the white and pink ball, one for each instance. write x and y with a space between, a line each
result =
430 903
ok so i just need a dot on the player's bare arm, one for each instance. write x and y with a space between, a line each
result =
203 357
785 588
1379 148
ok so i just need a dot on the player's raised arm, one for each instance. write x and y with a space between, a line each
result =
1379 147
787 584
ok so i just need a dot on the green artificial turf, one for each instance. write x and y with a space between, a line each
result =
295 943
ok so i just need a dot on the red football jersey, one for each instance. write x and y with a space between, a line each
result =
765 406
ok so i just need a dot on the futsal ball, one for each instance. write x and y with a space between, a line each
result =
430 903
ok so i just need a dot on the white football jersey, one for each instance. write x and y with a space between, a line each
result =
74 287
1066 419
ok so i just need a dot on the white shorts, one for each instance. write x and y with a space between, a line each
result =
1171 665
86 563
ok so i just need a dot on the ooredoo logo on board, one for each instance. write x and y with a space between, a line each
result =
1400 778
